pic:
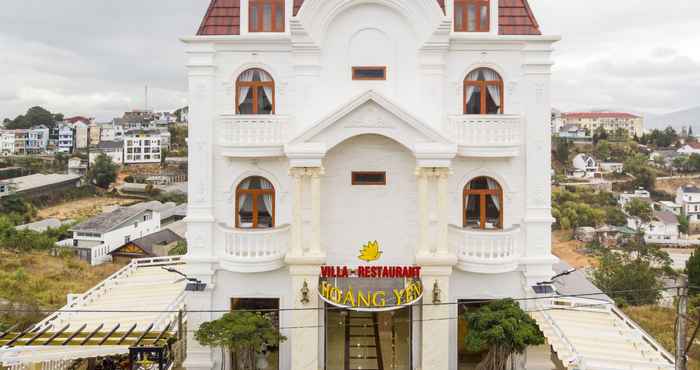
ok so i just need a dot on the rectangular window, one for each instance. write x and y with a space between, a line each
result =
266 16
269 307
369 73
369 178
472 16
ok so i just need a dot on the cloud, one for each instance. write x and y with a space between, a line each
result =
94 57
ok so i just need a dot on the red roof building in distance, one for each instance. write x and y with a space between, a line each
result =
78 119
610 121
619 115
223 17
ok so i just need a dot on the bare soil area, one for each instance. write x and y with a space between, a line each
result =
670 185
570 250
82 208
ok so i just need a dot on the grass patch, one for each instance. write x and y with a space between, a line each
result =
38 281
659 323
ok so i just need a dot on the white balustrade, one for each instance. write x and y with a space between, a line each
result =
252 130
486 251
492 135
254 250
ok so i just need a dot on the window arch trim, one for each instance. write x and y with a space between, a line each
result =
483 194
482 85
255 194
254 87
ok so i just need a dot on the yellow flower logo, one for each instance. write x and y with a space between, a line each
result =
370 252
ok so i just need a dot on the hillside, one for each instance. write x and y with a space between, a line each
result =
37 281
676 119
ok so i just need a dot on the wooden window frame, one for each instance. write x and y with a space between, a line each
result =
368 68
482 193
483 88
355 182
260 4
465 15
255 87
254 193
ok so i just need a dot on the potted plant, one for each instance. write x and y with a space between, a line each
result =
502 329
249 336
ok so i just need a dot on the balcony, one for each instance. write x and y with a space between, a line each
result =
258 135
253 250
486 251
492 135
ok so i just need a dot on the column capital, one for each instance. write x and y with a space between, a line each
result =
314 172
428 172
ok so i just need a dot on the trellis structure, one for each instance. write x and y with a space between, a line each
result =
148 350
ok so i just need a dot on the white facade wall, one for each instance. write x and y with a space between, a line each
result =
116 155
333 126
690 204
7 142
82 135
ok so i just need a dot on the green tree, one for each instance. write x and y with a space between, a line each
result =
503 329
638 167
642 213
103 172
602 149
600 134
627 280
692 269
244 334
562 150
179 250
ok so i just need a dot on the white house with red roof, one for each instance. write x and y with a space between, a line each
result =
691 147
372 169
610 121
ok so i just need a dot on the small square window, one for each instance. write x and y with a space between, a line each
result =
369 178
369 73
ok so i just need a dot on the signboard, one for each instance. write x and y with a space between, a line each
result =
370 288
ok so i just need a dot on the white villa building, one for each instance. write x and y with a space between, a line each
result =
414 130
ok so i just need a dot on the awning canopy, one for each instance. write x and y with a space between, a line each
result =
132 307
591 334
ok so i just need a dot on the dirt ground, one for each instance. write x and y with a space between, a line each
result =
568 249
81 208
670 185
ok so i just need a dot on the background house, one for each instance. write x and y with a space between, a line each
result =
157 244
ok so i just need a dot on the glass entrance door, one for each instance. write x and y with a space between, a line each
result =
368 340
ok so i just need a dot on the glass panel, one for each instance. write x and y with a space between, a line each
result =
493 214
471 17
473 211
474 102
491 104
245 213
369 73
267 17
246 107
254 17
264 102
264 203
363 339
268 358
459 17
279 17
484 18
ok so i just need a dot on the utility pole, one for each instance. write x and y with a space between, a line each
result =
682 324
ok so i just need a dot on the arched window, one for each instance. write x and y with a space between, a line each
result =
483 92
255 204
483 204
255 92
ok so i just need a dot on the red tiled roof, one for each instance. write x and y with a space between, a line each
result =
76 119
515 18
599 115
223 17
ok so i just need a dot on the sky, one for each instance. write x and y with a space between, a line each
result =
94 57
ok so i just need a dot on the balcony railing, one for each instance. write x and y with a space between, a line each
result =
253 135
486 251
254 250
492 135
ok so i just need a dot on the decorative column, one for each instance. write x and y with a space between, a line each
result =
297 175
316 174
304 338
200 219
435 346
535 93
423 220
442 174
